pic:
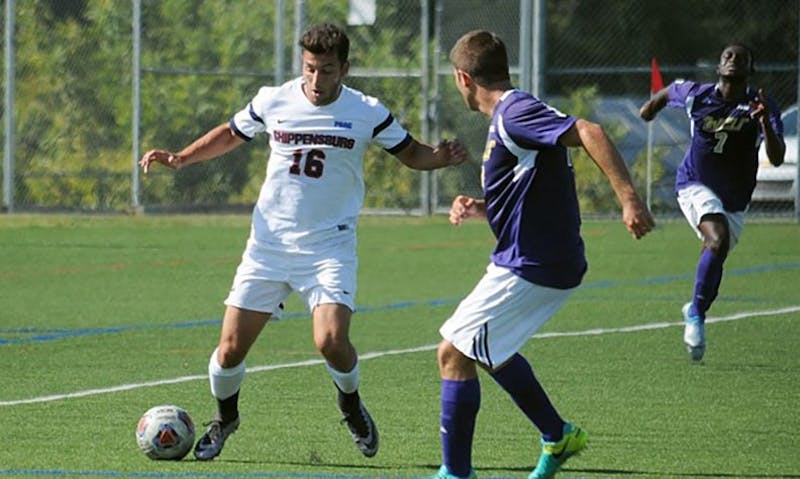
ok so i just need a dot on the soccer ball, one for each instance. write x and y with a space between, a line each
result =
165 432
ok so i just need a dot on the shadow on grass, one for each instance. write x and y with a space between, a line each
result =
513 471
624 473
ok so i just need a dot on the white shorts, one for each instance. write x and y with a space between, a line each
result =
697 201
325 273
499 316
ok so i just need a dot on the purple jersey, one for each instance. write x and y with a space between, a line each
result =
724 151
529 187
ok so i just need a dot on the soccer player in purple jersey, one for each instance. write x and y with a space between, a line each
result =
531 204
715 181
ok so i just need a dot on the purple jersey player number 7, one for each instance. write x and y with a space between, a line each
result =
715 182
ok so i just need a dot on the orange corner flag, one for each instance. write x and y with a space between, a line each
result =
656 82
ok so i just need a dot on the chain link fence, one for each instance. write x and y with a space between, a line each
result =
91 84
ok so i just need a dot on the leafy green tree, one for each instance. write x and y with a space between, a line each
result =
75 153
202 60
200 36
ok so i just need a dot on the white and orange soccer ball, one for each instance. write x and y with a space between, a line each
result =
165 432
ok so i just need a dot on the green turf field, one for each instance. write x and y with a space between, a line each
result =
103 317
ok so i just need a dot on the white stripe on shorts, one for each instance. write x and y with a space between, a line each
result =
499 316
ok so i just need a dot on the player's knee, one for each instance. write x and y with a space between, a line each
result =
443 353
716 235
717 244
331 346
326 345
450 358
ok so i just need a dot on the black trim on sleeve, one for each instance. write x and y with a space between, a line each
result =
253 114
399 147
384 125
237 131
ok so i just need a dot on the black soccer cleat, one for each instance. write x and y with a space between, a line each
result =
210 444
359 422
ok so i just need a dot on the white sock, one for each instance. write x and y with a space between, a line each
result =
224 382
346 382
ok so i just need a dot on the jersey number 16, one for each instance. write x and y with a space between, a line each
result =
313 165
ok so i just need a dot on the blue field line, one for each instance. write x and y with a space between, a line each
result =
44 335
212 475
165 475
35 335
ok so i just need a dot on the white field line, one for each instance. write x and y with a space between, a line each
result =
391 352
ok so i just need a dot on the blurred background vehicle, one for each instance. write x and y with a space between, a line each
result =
779 184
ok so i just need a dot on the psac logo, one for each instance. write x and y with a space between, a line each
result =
343 124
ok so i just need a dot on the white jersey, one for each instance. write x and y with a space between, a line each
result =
315 173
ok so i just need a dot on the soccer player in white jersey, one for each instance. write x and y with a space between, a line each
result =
303 235
531 205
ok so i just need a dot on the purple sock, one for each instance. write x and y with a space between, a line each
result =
460 403
707 281
517 378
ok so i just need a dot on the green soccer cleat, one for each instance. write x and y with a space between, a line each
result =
555 454
445 474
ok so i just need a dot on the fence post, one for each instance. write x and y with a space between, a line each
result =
299 26
427 177
797 129
280 67
8 162
136 87
539 38
525 42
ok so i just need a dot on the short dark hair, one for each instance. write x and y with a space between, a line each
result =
482 54
326 38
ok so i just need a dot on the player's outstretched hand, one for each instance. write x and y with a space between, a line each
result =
453 152
464 207
646 113
759 109
637 218
166 158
